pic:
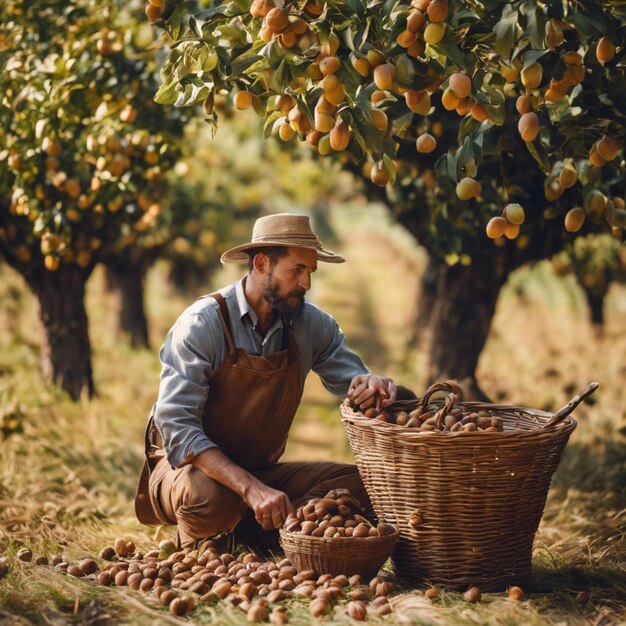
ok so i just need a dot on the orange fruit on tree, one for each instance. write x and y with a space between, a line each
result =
479 113
242 100
532 75
574 219
384 75
416 21
460 84
608 147
434 33
514 213
277 19
406 39
340 136
425 143
605 50
379 118
437 11
496 227
379 174
153 13
450 100
418 101
528 126
329 65
360 64
467 188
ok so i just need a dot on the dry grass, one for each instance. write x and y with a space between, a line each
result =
66 482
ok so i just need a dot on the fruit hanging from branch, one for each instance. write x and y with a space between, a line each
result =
384 72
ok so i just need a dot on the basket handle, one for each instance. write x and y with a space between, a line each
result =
450 386
448 403
562 413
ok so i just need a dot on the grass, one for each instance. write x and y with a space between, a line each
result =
67 480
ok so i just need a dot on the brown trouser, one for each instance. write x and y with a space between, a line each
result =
202 507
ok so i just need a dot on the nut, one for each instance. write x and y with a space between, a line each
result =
472 595
89 566
257 613
357 610
178 606
24 554
515 594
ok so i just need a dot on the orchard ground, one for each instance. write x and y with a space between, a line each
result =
67 481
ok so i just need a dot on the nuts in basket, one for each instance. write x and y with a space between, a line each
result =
337 514
435 416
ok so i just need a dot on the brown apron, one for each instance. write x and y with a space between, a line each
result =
251 405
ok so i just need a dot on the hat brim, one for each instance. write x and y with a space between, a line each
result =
238 253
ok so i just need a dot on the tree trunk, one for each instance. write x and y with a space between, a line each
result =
125 283
66 350
595 300
460 321
426 298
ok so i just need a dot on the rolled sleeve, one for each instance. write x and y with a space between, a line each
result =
188 359
334 362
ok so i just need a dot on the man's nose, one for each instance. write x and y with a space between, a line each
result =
305 282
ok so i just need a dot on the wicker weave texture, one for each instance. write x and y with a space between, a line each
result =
337 555
467 505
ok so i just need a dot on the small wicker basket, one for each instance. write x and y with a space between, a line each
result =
467 504
338 555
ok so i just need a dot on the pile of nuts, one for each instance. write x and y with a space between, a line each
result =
427 420
337 514
433 417
184 579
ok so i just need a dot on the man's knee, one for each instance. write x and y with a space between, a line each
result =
206 506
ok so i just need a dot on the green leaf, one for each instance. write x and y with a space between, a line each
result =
451 169
540 155
505 31
467 126
391 169
166 94
535 23
586 24
464 155
269 123
533 56
449 49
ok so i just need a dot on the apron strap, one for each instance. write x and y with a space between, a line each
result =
226 327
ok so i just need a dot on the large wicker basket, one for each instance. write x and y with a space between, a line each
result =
467 504
338 555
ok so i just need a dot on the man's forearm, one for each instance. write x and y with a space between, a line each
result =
216 465
270 506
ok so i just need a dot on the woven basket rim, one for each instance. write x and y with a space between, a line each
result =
299 536
348 415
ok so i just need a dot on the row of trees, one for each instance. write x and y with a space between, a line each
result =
450 112
93 171
85 161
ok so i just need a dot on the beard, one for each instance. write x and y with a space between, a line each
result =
288 305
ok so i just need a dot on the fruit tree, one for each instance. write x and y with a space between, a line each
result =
492 130
84 151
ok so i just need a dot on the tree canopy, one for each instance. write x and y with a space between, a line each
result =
429 98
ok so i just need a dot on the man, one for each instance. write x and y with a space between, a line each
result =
234 365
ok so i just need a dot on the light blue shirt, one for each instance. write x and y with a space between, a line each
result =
195 348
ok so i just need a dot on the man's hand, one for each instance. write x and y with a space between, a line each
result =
270 506
369 390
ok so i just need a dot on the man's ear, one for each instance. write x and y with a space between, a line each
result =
261 262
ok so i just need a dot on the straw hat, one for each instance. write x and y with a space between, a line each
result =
282 229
